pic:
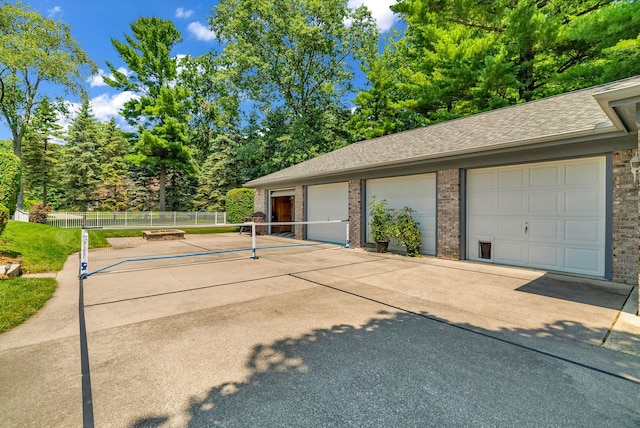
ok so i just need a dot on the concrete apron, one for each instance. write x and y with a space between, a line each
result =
159 339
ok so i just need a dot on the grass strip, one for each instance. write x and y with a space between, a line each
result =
20 298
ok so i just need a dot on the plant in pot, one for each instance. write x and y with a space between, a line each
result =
406 231
382 223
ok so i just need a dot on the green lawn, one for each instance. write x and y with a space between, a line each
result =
45 249
22 297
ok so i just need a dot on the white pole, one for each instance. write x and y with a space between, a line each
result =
253 240
347 241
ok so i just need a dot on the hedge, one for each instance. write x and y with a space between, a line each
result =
9 180
239 204
4 217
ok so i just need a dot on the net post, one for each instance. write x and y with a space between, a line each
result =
347 241
84 253
253 240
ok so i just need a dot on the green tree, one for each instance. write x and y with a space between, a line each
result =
40 151
112 150
462 57
292 59
213 103
379 110
80 166
34 50
160 110
9 179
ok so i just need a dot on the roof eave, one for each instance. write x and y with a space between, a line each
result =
602 132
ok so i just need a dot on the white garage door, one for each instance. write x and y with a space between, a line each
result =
547 215
417 192
328 202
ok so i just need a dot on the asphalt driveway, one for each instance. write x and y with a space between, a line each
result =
323 336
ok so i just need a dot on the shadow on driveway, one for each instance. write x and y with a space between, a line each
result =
413 370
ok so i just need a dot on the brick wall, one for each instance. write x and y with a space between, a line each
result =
448 214
299 212
260 200
625 220
355 213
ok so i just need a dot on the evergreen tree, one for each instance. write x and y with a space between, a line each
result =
161 111
40 151
80 165
114 183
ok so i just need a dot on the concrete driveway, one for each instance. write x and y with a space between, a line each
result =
325 336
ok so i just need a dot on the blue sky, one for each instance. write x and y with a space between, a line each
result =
94 23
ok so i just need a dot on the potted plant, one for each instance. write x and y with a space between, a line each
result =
382 223
406 231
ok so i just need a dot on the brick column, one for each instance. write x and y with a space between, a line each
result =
448 227
626 256
260 200
355 213
299 212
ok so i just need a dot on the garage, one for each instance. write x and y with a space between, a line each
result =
417 192
327 202
547 215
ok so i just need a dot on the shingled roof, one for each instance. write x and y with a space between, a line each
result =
583 113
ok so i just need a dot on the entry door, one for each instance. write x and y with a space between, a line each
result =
281 210
547 215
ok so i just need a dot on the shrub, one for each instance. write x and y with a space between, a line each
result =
406 231
380 220
39 213
239 204
9 180
4 217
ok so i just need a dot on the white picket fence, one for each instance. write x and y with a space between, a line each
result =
132 219
21 215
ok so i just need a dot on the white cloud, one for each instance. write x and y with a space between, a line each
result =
380 10
106 106
97 79
201 32
182 13
53 11
103 107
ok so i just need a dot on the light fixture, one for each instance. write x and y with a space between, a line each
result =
634 163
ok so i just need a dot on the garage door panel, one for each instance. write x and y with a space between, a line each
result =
512 203
551 216
417 192
544 256
483 181
584 174
545 230
544 176
544 202
511 252
511 229
582 203
327 202
483 203
583 231
511 179
582 260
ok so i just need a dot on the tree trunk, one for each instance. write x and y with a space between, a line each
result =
17 150
163 196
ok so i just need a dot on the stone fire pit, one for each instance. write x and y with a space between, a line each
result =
162 235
